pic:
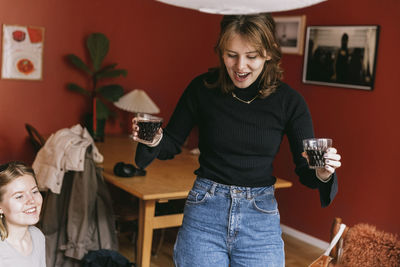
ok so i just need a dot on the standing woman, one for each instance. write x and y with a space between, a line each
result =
242 110
22 244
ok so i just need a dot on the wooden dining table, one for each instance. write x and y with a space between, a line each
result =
164 181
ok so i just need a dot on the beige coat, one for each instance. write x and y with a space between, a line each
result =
64 151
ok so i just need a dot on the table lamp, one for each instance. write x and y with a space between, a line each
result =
137 101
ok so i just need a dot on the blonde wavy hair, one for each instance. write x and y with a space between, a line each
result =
8 173
259 30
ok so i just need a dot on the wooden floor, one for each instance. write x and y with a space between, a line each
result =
298 254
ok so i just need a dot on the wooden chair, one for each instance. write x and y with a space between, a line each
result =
35 137
126 212
360 245
337 250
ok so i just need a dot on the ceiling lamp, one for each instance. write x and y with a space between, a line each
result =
241 7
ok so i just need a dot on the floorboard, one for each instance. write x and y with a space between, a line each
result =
297 253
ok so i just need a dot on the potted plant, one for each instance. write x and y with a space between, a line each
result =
99 94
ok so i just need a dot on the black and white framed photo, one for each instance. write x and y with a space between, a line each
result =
341 56
290 33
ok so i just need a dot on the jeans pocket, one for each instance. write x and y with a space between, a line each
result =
266 203
197 196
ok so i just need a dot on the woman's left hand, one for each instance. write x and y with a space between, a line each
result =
332 162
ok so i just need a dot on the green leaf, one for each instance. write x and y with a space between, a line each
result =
97 44
108 67
76 88
78 63
111 73
102 111
111 92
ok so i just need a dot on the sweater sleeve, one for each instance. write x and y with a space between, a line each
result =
177 130
298 127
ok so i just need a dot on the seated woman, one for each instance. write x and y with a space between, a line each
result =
21 244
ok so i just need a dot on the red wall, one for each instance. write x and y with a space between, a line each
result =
164 47
363 124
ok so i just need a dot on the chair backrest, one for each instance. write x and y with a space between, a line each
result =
35 137
337 250
364 245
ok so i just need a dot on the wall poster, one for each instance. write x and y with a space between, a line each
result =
22 53
290 33
341 56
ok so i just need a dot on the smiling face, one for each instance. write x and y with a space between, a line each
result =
21 201
242 61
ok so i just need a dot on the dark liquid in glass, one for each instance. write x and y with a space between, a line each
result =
315 158
148 129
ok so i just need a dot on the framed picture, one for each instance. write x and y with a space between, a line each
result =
22 52
290 33
342 56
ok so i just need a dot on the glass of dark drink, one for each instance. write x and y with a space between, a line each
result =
148 127
315 149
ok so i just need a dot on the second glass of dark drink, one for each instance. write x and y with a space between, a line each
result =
315 149
148 126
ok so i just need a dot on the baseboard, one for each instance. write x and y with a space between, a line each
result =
304 237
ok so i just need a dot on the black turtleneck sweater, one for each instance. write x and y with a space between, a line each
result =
238 142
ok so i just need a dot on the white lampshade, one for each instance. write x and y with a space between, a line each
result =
137 101
238 7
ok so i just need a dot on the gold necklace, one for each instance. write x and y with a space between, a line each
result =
244 101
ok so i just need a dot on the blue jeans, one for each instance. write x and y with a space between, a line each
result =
229 226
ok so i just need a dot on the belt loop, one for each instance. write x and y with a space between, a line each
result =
212 189
248 193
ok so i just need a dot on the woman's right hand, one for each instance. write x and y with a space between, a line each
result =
135 134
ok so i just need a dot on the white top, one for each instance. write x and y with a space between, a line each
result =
10 257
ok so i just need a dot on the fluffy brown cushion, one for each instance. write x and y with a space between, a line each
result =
366 246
